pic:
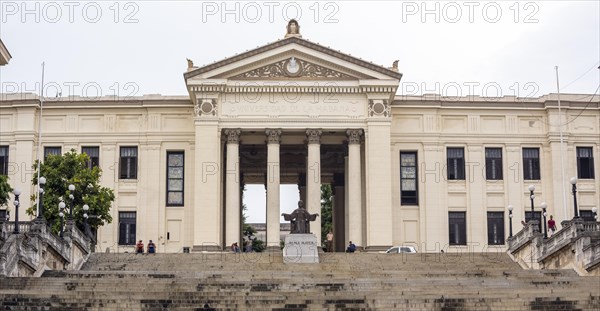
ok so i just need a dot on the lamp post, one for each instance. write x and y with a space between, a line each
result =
17 193
574 183
85 218
510 209
595 211
42 182
61 214
72 198
531 197
544 205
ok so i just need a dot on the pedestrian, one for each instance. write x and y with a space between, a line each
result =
552 225
351 248
151 247
329 241
235 248
139 247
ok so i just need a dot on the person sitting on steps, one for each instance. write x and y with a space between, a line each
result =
151 247
351 248
139 247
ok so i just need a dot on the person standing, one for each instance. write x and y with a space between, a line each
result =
552 225
329 241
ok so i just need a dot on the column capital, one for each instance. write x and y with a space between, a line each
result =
273 136
354 136
314 136
233 136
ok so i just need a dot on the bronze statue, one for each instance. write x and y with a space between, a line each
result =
300 219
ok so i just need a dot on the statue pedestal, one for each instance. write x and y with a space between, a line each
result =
301 248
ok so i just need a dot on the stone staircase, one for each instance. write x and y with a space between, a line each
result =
261 281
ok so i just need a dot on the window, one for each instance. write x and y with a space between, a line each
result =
586 215
126 228
128 162
94 154
537 216
4 214
458 228
456 163
493 163
585 163
175 161
3 160
531 163
408 178
51 151
495 227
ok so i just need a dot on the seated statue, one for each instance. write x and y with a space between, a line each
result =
300 219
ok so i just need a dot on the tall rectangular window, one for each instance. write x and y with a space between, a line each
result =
52 151
531 163
495 228
94 154
456 163
127 221
493 163
175 173
457 226
587 215
408 178
128 163
3 160
585 163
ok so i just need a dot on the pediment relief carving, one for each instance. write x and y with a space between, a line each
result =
293 68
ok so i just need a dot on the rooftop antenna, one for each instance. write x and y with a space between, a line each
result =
40 140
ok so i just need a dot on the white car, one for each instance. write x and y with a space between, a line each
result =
401 249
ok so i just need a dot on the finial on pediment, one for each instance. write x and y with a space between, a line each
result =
190 63
395 66
293 29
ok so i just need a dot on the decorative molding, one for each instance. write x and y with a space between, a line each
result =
314 136
273 136
233 136
380 108
206 107
354 136
291 68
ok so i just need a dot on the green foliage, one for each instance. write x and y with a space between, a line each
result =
5 189
326 211
60 172
258 245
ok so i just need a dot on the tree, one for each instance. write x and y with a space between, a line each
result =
326 211
5 189
71 168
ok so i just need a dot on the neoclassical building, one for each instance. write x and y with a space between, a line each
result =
430 171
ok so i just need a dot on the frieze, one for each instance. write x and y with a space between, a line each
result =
379 107
293 67
273 136
206 107
233 136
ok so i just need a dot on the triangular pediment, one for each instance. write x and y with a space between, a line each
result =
293 59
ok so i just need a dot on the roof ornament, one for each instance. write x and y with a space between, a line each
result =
293 29
395 66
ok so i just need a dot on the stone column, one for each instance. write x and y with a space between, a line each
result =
232 200
313 180
338 213
302 186
273 181
354 187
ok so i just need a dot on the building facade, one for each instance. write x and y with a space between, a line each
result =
430 171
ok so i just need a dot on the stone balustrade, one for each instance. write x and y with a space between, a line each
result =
36 248
576 246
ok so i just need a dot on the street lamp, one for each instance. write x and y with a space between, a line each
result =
510 209
61 207
595 211
531 197
544 205
42 182
85 217
72 198
574 183
17 193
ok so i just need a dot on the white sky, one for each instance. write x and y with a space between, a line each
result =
134 48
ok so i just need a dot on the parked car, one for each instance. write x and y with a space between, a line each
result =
401 249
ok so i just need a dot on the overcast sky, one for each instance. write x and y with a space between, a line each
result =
453 48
